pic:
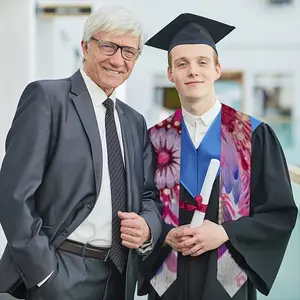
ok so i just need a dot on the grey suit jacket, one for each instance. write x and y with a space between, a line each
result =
51 177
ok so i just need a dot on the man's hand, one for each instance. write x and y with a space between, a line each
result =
208 236
175 237
134 230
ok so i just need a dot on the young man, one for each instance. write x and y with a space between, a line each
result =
227 200
78 204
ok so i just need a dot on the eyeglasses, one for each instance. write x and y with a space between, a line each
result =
110 48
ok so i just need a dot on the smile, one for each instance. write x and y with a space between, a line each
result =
112 71
194 82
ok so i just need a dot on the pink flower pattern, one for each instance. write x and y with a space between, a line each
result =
235 161
166 139
235 171
167 146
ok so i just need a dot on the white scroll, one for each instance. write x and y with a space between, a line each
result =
209 180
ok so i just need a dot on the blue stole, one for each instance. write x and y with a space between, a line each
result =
194 162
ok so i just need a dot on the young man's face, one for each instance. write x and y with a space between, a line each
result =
109 71
194 69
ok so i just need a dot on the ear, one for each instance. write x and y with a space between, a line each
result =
84 48
218 71
170 76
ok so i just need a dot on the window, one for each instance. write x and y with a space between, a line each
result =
279 2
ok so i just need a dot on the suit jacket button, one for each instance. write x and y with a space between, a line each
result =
90 205
64 232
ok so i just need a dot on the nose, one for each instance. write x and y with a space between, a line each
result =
117 60
193 71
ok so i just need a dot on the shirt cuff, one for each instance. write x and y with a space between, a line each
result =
42 282
146 247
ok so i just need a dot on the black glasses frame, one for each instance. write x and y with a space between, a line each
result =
135 52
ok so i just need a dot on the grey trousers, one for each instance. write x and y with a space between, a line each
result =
81 278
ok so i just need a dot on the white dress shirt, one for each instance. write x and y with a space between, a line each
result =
197 126
96 229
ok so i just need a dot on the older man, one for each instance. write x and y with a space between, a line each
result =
76 184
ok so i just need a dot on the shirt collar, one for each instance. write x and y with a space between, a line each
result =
207 118
98 96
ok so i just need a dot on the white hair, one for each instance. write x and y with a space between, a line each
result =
116 21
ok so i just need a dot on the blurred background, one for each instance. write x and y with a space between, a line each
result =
260 62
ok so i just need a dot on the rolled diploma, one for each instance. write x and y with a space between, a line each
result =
209 180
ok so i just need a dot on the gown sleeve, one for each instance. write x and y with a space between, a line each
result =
258 242
153 262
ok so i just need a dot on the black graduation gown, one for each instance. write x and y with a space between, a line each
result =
257 243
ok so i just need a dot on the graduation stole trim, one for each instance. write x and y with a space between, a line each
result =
234 200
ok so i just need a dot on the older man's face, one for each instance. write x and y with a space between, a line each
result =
109 71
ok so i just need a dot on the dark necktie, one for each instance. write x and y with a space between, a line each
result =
118 253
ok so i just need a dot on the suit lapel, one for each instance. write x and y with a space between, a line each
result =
128 151
84 106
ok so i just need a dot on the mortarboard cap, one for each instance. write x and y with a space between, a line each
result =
190 29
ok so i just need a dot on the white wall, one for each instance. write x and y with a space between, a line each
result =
17 62
16 56
58 39
44 48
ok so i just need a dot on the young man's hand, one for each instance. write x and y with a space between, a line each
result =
208 236
175 238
